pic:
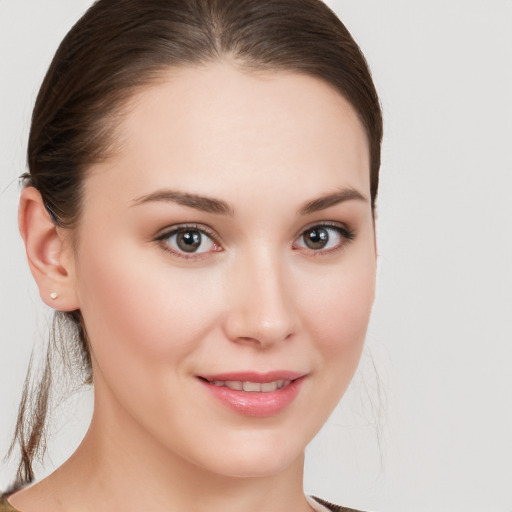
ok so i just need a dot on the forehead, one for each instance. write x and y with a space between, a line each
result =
202 128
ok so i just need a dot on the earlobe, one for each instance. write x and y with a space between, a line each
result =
48 252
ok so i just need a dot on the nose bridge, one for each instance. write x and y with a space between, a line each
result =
261 309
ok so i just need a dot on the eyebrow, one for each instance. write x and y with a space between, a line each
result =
217 206
345 194
203 203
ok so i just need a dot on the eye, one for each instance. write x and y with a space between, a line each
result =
324 238
188 240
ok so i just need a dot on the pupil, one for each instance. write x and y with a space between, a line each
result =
189 241
316 238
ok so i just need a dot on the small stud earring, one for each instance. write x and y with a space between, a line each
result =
54 295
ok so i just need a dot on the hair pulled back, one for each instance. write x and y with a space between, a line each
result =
120 46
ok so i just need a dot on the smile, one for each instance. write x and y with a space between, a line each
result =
254 394
252 387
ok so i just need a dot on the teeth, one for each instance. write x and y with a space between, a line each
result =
268 386
254 387
251 386
234 384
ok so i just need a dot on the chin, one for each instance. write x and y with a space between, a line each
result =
252 459
258 466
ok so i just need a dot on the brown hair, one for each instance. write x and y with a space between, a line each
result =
120 46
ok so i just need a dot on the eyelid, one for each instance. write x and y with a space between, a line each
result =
169 230
329 224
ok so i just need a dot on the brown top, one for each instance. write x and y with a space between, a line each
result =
6 507
326 504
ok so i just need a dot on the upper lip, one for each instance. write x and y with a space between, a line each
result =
254 376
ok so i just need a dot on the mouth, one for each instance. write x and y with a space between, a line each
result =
252 387
254 394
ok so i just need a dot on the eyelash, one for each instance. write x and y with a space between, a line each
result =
345 234
183 228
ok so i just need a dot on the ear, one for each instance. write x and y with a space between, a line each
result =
49 252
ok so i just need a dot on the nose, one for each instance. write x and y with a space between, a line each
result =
261 310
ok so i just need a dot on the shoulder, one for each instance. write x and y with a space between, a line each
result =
326 505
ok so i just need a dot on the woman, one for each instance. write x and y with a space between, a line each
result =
200 207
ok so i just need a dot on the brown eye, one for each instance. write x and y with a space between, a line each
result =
316 238
188 241
323 238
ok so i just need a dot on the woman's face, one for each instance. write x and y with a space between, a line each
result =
225 266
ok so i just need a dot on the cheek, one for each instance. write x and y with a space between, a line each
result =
339 312
335 309
143 308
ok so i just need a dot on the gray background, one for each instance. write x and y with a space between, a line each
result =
434 430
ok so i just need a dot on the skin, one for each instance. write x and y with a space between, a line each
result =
256 298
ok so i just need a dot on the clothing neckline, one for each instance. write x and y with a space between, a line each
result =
313 501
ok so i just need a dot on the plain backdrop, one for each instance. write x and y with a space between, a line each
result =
432 430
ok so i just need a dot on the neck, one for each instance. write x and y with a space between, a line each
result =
119 466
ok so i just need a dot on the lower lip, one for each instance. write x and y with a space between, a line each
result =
253 403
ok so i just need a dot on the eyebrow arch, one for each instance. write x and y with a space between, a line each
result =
206 204
345 194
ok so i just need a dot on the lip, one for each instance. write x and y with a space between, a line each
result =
255 376
254 403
